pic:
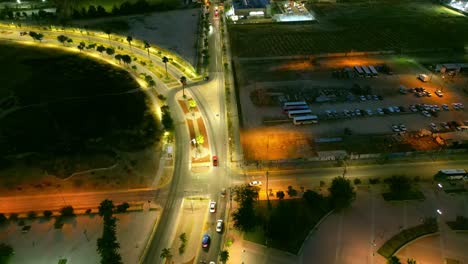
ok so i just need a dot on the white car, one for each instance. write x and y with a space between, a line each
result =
403 128
439 93
212 207
445 107
362 98
255 183
380 111
433 127
219 226
369 112
395 128
426 114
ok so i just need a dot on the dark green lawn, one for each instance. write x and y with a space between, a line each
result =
349 27
58 105
291 220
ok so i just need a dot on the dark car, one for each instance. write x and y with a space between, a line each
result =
215 161
206 241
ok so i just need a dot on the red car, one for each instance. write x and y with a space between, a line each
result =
215 161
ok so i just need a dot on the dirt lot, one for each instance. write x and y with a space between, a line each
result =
262 90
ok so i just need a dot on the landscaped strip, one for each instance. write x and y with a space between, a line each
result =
401 239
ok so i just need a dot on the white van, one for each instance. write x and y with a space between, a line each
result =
423 77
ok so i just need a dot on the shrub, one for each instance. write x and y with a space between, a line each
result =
357 181
374 180
58 223
32 215
3 219
122 208
67 211
13 217
88 211
47 213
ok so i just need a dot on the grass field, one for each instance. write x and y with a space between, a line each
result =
294 217
108 4
64 112
346 27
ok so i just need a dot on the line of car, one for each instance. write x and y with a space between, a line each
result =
425 109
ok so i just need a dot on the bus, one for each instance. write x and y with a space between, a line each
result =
358 69
373 70
367 71
287 109
294 113
307 119
453 174
294 104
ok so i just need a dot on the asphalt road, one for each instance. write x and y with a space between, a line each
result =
85 200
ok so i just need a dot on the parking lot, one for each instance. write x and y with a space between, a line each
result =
395 101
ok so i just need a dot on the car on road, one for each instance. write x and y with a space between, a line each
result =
255 183
219 226
395 128
215 161
212 207
439 93
206 241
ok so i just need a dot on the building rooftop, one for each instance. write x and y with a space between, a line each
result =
244 4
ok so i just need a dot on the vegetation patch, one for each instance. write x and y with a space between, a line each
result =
429 226
347 27
68 113
401 189
461 223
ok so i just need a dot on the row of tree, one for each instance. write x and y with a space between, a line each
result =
126 8
107 245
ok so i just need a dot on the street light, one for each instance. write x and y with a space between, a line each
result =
440 185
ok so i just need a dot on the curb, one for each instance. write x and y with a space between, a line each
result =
312 230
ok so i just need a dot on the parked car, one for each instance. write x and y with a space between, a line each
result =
212 207
426 113
395 128
439 93
433 127
357 112
445 125
403 128
369 112
380 111
362 98
413 108
445 107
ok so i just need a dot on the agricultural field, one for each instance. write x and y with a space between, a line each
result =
61 113
347 27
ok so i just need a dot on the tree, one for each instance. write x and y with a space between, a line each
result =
126 59
31 214
62 39
165 60
129 40
69 41
394 260
39 37
200 139
101 49
118 57
183 81
81 46
47 213
67 211
122 208
244 217
312 197
224 256
6 251
106 208
108 32
110 51
280 195
341 193
291 191
3 219
411 261
166 253
147 47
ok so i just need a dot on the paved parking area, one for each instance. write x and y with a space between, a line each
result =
354 235
77 239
